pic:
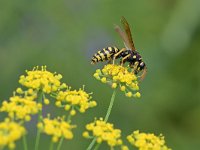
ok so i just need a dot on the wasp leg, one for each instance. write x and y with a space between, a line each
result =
117 54
135 66
143 74
123 59
133 69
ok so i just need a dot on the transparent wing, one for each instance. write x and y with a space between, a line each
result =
123 36
128 33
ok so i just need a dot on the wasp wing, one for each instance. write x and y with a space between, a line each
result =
128 33
123 36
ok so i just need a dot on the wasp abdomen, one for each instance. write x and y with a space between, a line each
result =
104 54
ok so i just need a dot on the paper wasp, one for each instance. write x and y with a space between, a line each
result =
127 54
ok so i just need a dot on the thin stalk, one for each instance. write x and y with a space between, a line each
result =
69 118
60 143
110 106
92 144
40 98
51 146
37 139
25 143
97 146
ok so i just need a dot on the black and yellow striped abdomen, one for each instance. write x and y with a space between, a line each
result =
104 54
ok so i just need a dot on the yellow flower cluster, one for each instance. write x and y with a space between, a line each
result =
144 141
73 99
57 128
117 75
103 131
9 133
41 79
21 107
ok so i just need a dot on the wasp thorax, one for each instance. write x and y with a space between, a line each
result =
135 61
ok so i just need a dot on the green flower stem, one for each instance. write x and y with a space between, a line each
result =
92 144
60 143
25 143
110 106
97 146
105 119
51 146
69 118
40 98
37 139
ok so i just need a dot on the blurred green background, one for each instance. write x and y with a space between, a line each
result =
65 34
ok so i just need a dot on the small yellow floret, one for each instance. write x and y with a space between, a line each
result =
67 107
137 95
96 75
85 134
54 139
58 103
122 88
11 145
93 104
30 91
27 118
40 125
103 80
129 94
72 112
98 71
46 101
114 85
19 90
124 147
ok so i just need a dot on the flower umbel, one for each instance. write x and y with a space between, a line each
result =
147 141
9 133
57 128
103 131
119 76
73 100
21 107
41 79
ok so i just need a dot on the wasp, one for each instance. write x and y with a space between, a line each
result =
128 54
